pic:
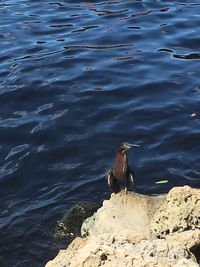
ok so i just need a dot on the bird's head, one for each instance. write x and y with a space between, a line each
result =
125 146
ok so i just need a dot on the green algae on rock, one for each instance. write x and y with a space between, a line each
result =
69 226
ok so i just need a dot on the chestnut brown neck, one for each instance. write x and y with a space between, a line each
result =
121 151
120 164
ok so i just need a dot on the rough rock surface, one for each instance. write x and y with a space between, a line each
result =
140 231
130 215
180 212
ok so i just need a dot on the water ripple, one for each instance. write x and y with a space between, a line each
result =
187 56
24 117
76 80
8 168
16 150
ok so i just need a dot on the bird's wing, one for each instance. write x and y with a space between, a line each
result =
130 178
109 177
112 182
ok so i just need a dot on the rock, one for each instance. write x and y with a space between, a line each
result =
128 215
112 250
137 230
69 226
180 212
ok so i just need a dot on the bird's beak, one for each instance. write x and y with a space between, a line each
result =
134 145
131 145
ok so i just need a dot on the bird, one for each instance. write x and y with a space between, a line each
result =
120 171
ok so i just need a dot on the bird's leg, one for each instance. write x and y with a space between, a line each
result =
126 192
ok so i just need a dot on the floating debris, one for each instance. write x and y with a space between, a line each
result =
162 182
193 115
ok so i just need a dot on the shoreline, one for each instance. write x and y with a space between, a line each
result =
139 230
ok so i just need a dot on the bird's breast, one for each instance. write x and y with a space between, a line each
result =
120 167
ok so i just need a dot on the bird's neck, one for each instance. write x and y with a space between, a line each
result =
120 164
121 152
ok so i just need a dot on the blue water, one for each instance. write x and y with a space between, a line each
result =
77 79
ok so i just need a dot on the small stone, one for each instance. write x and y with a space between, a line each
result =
103 257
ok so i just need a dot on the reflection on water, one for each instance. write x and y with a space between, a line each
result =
76 79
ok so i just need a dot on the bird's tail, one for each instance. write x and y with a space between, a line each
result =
112 182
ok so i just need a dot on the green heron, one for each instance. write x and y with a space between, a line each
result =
120 171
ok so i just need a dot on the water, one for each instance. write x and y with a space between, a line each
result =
76 80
